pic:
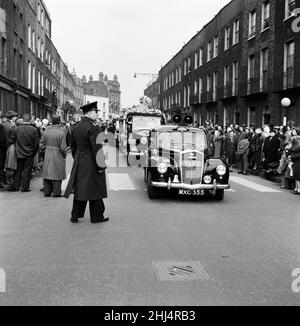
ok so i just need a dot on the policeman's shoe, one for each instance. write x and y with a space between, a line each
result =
295 192
25 190
74 221
104 220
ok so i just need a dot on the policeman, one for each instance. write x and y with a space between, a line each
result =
88 179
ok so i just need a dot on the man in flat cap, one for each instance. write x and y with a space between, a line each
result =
27 145
11 118
87 180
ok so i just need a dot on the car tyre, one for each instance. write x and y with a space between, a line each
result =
145 175
219 195
127 160
152 191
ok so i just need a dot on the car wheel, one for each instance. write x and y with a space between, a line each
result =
128 160
152 191
219 195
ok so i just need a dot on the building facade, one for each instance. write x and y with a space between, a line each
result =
239 67
33 76
103 87
79 90
152 92
103 105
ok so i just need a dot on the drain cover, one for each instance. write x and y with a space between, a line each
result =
181 271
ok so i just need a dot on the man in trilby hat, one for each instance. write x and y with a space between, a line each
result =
88 179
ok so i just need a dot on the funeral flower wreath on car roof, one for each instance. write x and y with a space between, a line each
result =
143 111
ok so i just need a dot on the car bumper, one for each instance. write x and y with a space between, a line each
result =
136 154
170 185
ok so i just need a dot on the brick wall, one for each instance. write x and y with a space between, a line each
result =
257 99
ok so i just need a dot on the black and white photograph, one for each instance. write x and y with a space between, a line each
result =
149 156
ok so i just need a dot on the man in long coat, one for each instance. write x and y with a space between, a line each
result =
271 149
9 125
230 146
88 179
54 169
294 154
3 148
27 145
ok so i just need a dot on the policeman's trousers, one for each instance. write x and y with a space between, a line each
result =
97 210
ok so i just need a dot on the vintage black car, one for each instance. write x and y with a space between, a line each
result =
179 162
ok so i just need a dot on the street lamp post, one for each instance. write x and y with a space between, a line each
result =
144 74
286 103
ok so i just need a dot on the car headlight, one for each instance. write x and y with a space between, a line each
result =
144 141
221 170
207 179
162 168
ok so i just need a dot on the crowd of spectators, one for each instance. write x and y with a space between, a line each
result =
268 149
24 143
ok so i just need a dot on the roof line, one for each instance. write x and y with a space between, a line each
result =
202 29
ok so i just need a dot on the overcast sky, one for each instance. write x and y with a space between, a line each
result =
125 36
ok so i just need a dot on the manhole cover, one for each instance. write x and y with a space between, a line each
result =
181 271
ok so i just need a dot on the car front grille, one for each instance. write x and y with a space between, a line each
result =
192 165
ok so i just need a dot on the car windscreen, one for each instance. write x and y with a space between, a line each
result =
140 123
182 141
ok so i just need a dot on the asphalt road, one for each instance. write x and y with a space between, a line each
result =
248 245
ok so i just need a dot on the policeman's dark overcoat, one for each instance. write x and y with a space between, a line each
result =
86 180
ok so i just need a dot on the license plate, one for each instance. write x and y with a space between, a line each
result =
184 192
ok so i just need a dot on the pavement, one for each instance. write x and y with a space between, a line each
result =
248 244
